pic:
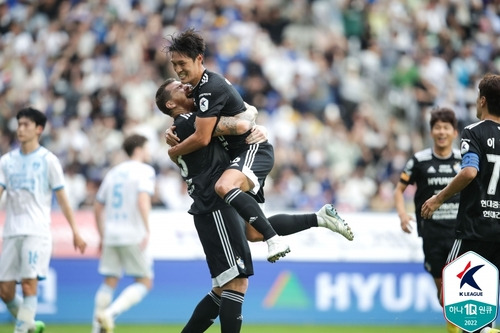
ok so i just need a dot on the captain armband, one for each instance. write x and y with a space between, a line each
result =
470 160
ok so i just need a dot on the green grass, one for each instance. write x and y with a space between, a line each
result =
125 328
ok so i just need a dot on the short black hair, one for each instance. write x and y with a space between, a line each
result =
445 115
163 96
189 43
38 117
489 87
132 142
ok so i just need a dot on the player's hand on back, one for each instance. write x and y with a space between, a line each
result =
170 138
258 135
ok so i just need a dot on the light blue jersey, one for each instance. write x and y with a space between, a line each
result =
119 193
29 181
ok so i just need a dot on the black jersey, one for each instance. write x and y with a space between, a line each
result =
215 96
479 212
201 168
431 174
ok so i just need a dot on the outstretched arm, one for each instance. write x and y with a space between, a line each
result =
459 182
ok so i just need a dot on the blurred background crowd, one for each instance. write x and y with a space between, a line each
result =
344 87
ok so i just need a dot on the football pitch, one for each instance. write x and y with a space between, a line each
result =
125 328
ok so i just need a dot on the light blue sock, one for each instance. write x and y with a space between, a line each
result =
130 296
26 314
13 306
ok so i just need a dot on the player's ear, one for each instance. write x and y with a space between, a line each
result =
39 129
170 104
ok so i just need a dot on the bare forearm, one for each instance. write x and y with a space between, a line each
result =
190 144
66 210
145 208
459 182
98 211
399 203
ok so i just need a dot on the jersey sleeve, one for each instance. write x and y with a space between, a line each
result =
407 175
56 175
3 180
184 126
212 98
147 180
469 143
103 189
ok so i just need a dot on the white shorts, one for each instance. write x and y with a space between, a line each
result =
131 259
25 257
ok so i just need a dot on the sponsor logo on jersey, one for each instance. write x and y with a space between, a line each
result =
431 169
445 168
203 104
439 181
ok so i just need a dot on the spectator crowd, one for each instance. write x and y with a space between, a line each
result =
344 87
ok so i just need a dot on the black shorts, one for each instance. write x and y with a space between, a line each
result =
488 250
436 252
222 235
256 163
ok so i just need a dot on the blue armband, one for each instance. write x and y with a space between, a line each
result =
470 160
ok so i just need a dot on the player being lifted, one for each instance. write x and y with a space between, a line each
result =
241 183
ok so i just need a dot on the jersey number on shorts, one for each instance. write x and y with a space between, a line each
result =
33 257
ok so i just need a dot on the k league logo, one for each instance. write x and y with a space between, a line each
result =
467 277
470 291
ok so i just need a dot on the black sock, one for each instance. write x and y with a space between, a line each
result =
204 314
230 311
250 211
287 224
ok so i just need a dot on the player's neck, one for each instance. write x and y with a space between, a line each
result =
29 147
198 79
444 152
489 116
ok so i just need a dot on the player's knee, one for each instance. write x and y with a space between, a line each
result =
226 184
238 284
6 294
223 186
29 287
147 282
220 189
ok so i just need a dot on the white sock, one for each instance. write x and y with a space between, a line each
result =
13 306
130 296
26 314
102 299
